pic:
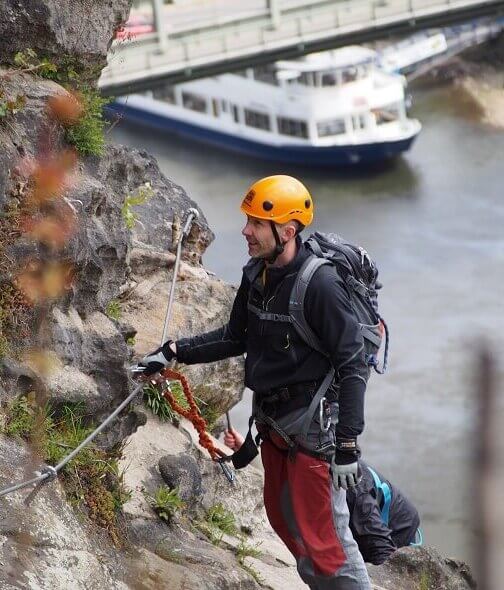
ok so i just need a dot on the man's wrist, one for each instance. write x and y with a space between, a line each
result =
169 350
347 445
347 451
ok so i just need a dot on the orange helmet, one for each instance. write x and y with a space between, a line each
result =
279 199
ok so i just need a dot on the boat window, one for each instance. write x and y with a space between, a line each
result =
329 79
349 75
215 107
195 102
266 74
224 106
164 93
331 127
387 114
306 78
292 127
236 114
257 120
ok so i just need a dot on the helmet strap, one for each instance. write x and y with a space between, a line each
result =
279 247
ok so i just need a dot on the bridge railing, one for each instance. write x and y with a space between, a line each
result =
226 30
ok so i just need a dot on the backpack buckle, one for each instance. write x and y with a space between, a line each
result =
323 409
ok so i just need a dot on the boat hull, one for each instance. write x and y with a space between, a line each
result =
360 154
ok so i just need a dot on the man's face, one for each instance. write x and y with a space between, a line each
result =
259 236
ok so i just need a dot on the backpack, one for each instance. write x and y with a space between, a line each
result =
360 275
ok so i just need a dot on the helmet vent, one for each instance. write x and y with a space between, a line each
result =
267 205
307 203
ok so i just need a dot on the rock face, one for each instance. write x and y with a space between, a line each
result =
71 33
412 568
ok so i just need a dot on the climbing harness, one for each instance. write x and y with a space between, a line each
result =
49 473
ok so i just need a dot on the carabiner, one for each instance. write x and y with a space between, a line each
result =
324 427
226 470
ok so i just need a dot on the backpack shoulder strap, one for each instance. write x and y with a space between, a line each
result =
297 299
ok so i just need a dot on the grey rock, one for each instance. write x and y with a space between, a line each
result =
182 472
70 33
414 567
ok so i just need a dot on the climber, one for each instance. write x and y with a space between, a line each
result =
307 470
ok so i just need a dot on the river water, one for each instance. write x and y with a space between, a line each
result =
434 222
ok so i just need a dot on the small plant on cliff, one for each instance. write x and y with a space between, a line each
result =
158 404
29 61
245 550
114 310
11 106
165 502
217 522
138 197
87 133
20 418
219 517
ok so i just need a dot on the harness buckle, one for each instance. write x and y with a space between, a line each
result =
324 427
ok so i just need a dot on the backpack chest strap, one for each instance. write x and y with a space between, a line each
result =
268 316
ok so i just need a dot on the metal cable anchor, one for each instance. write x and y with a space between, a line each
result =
51 474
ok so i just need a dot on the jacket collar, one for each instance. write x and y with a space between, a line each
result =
255 266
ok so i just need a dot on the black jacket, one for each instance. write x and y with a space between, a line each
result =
375 539
276 355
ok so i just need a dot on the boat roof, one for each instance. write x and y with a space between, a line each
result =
335 59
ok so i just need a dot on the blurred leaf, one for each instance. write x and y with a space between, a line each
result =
66 108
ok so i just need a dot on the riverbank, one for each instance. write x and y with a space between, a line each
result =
479 76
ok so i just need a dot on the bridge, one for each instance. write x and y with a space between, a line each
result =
206 38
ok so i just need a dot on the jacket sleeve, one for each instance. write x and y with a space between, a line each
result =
329 313
226 341
371 534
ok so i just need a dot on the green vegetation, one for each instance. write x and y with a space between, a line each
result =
425 581
217 522
165 502
158 404
245 550
114 310
29 61
139 197
131 341
92 480
11 106
219 517
87 133
4 345
21 417
209 414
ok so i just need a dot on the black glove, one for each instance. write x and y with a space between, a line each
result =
345 468
157 359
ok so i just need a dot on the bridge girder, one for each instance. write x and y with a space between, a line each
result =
263 57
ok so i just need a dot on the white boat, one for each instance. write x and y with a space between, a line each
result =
326 109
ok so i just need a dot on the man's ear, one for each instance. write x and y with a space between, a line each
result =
289 232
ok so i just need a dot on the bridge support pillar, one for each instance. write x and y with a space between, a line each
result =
159 21
274 6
